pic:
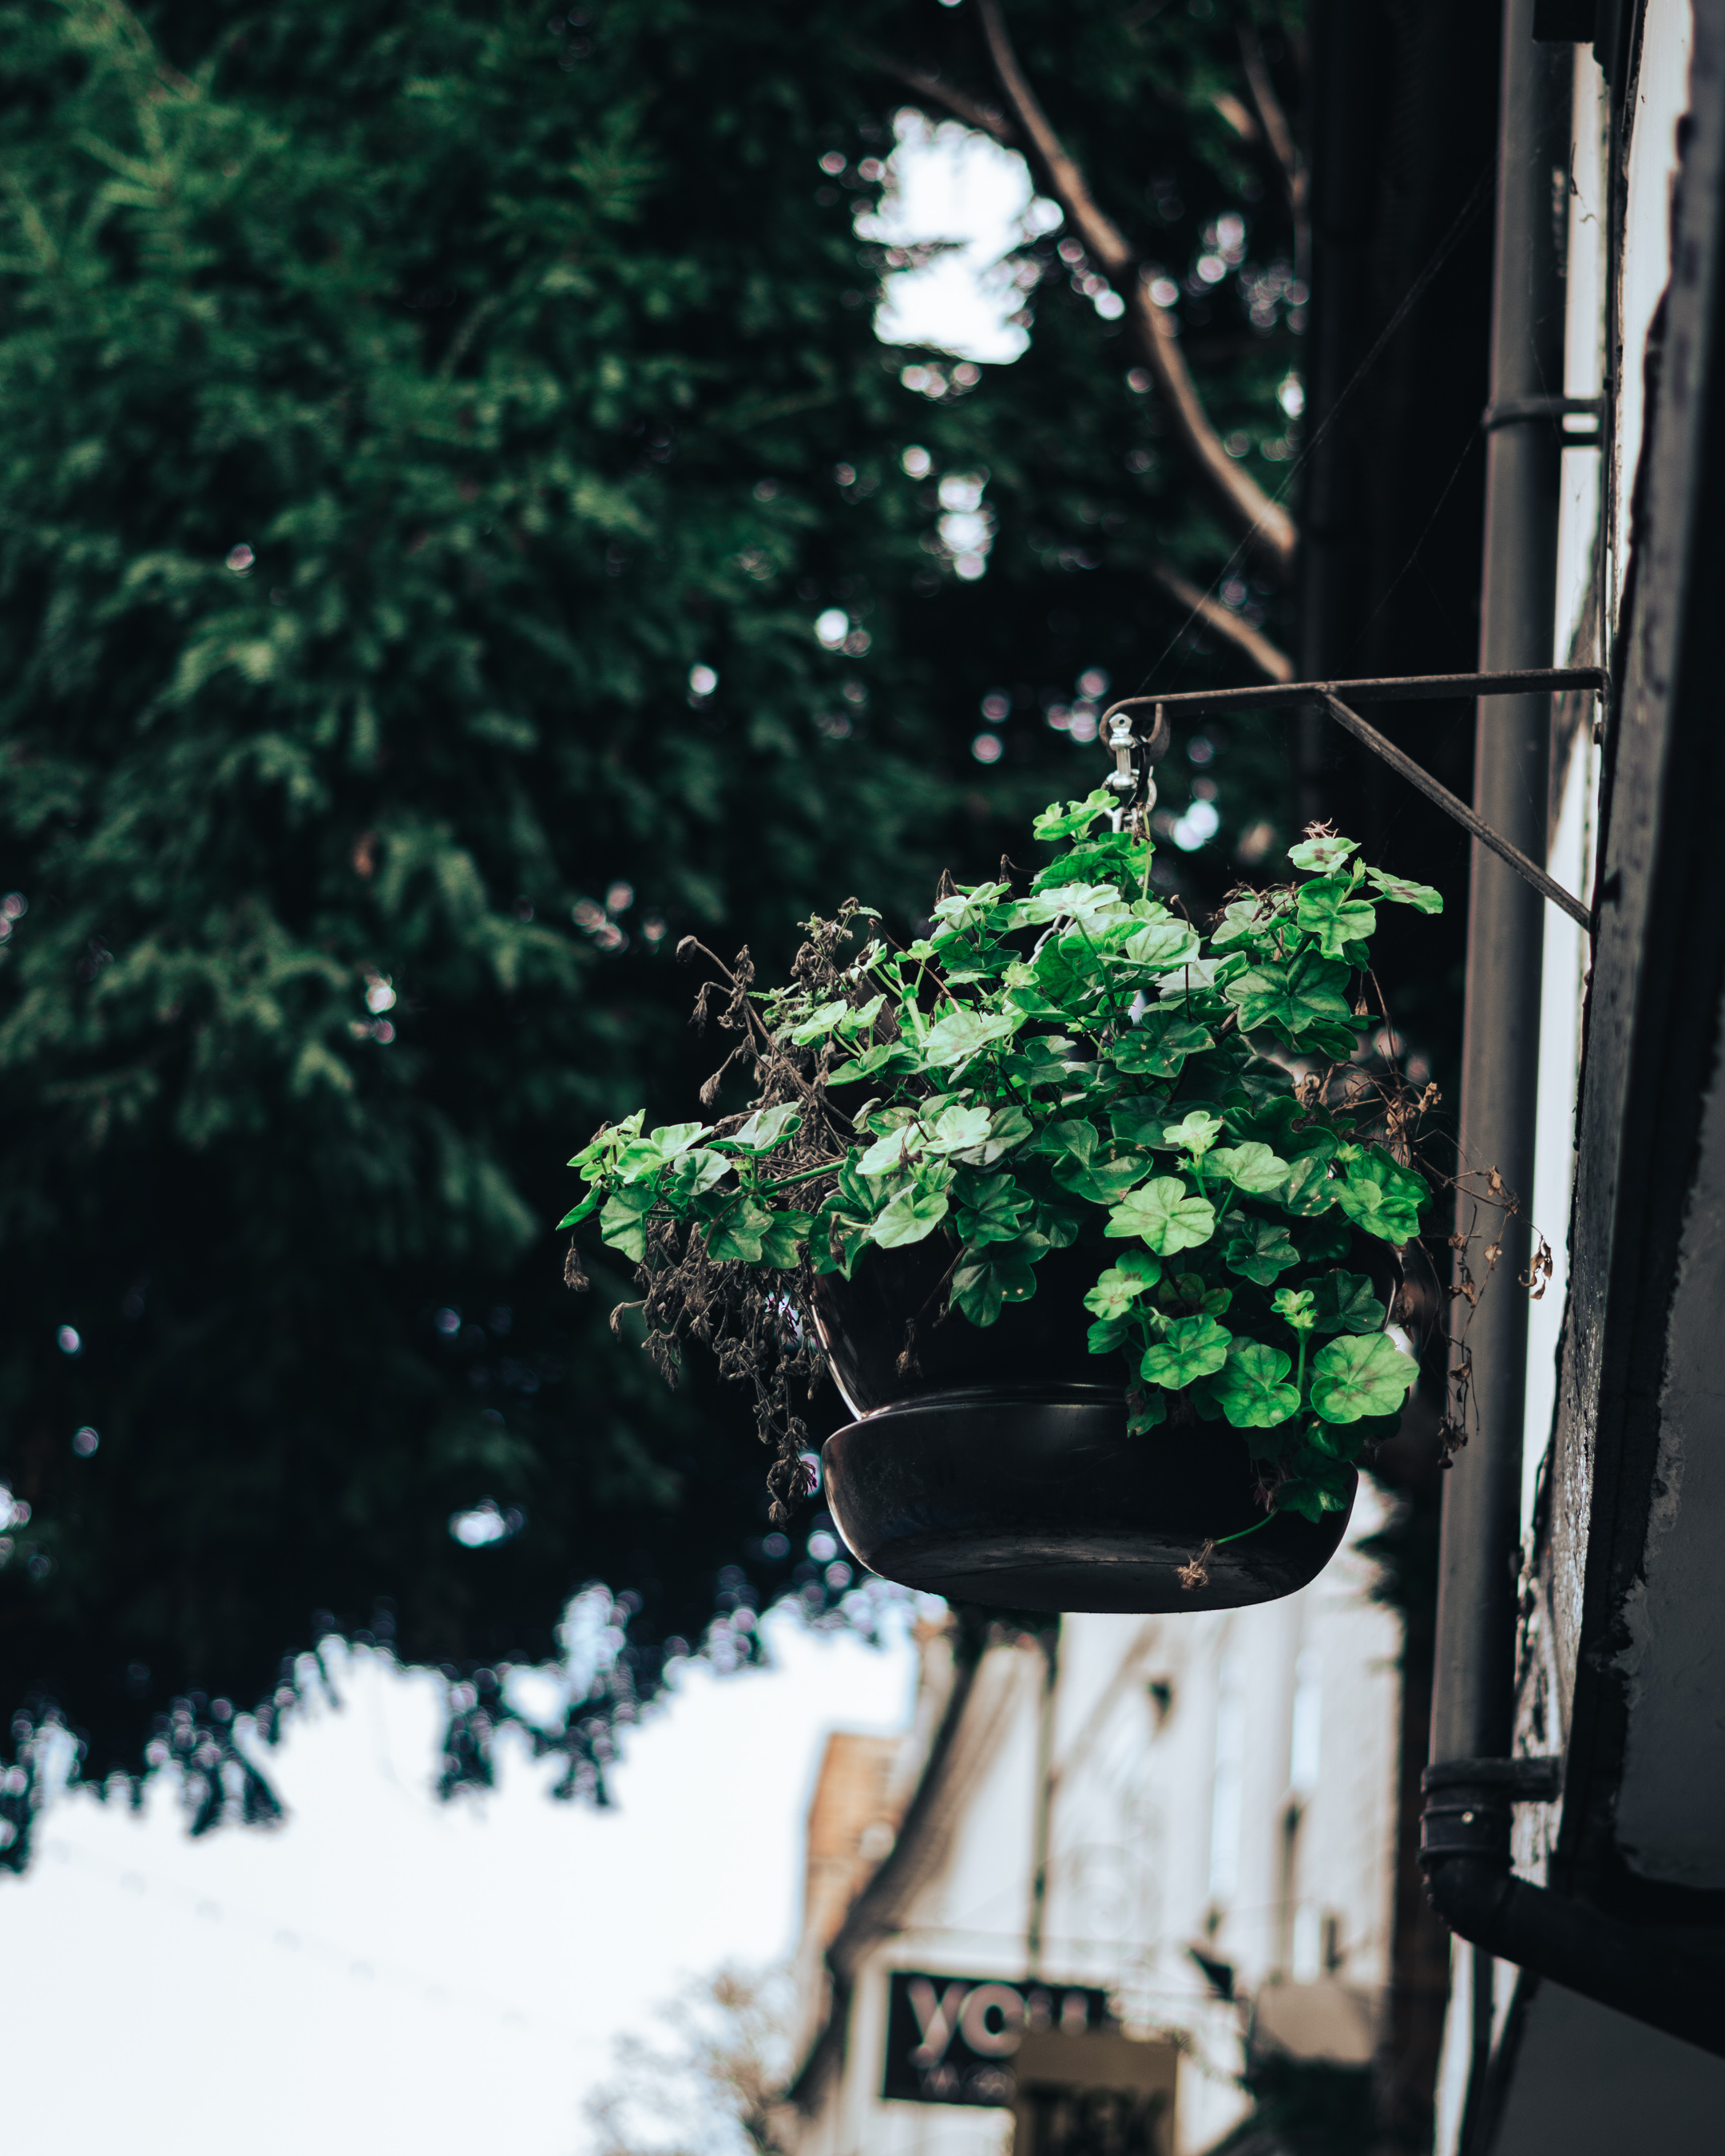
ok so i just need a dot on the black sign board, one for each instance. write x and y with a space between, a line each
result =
950 2039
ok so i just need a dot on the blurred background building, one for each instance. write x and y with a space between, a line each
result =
1185 1823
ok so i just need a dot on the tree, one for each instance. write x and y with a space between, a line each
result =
715 2087
430 435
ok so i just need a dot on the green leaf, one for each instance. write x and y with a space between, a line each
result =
893 1059
991 1208
820 1023
765 1129
1120 1287
1310 1188
590 1204
858 1022
607 1143
638 1162
962 1033
1158 1045
897 1150
1195 1133
1329 910
1165 1214
736 1229
1056 821
969 908
1251 1167
1289 999
675 1139
1381 1196
1106 1334
1071 975
1008 1128
693 1174
1161 947
1323 854
1310 1497
1004 1273
1344 1303
914 1215
1250 1388
1103 1182
782 1240
1246 917
1401 892
1296 1306
1145 1412
1258 1249
1140 1120
1070 1137
1057 1226
1191 1348
957 1130
623 1223
1353 1377
1092 906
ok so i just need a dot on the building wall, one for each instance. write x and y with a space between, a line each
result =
1618 259
1224 1781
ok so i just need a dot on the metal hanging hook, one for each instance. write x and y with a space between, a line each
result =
1131 781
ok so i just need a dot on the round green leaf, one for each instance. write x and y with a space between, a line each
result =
1165 1214
1251 1167
1250 1390
1259 1251
912 1215
1192 1347
1329 910
1121 1285
1354 1377
962 1033
1195 1133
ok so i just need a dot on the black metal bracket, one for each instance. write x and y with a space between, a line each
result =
1388 689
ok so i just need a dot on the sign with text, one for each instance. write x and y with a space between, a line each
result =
1098 2094
950 2039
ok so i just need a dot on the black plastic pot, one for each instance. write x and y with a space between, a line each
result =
994 1467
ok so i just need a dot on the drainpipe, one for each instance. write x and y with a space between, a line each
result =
1473 1782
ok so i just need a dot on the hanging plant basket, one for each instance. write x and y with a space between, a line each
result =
993 1468
1089 1214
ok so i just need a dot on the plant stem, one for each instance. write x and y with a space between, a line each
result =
1242 1532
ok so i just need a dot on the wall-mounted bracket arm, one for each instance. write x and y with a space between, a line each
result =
1400 689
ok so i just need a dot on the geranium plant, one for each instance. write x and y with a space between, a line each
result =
1073 1064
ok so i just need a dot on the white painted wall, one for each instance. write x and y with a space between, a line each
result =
1297 1703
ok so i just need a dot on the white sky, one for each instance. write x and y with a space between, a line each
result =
950 183
386 1972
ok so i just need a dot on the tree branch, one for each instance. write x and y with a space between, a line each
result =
1268 528
1279 136
984 118
1272 663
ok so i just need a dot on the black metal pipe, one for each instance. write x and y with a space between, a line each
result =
1474 1677
1466 1854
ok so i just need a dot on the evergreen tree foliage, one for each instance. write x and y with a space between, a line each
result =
429 437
